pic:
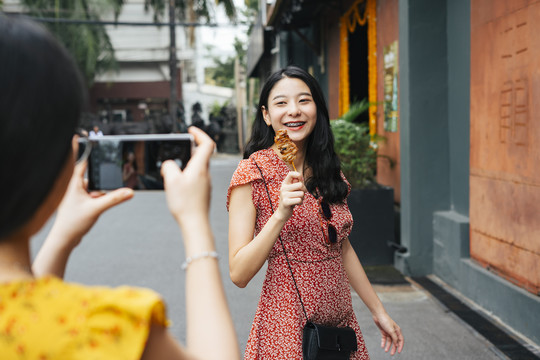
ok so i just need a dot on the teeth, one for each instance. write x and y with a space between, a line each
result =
294 124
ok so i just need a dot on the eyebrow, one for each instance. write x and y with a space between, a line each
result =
300 94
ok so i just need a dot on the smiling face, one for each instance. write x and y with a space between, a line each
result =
291 107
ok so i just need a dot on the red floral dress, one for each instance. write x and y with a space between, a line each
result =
276 332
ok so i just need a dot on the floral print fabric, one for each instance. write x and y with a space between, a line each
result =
47 318
276 332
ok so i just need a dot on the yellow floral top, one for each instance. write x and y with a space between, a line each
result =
47 318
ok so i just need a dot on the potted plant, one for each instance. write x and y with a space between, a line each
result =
371 204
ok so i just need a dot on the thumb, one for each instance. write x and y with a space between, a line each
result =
169 169
113 198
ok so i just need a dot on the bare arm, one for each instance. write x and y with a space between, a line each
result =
210 330
391 336
247 254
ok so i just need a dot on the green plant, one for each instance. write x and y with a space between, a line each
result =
355 147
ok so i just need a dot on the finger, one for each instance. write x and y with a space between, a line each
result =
293 177
395 340
393 348
169 169
80 168
387 342
96 194
205 147
401 340
294 187
297 195
292 201
113 198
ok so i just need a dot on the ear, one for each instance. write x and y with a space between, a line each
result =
266 117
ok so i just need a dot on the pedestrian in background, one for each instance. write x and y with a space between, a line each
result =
312 218
41 316
95 132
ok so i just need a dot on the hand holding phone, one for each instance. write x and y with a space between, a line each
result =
188 191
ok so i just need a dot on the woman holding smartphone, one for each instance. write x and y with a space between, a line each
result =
41 316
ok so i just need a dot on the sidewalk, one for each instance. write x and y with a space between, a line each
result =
438 330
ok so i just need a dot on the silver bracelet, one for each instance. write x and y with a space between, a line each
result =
202 255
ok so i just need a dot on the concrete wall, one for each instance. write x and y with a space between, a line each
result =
423 129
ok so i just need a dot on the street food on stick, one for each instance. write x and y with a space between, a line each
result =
286 147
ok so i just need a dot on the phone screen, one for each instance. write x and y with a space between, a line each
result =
134 161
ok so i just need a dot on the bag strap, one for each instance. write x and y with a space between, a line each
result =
282 245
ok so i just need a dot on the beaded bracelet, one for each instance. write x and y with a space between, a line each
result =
202 255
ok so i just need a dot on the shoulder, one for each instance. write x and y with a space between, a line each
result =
250 169
105 322
245 172
261 163
119 319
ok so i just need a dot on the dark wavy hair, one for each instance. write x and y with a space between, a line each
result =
41 98
320 155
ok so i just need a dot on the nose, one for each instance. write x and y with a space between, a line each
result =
294 109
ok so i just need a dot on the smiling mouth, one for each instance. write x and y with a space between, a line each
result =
294 124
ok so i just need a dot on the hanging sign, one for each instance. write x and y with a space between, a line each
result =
391 87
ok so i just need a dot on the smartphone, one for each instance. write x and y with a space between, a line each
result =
134 161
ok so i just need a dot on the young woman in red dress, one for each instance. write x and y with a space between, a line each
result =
312 217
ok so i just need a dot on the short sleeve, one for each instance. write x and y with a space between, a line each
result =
119 321
58 320
245 173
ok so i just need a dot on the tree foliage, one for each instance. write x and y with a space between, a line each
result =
89 43
222 73
354 147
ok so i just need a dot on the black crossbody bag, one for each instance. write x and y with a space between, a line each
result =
319 342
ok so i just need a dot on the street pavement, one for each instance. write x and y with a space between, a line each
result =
139 244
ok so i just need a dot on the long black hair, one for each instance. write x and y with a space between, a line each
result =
320 155
41 99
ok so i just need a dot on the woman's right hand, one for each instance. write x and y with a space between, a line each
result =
291 194
188 191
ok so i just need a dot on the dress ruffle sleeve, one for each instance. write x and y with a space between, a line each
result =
245 173
58 320
119 323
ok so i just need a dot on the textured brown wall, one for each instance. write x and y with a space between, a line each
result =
505 138
387 33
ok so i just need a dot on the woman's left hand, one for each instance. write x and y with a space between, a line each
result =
79 209
77 213
391 336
